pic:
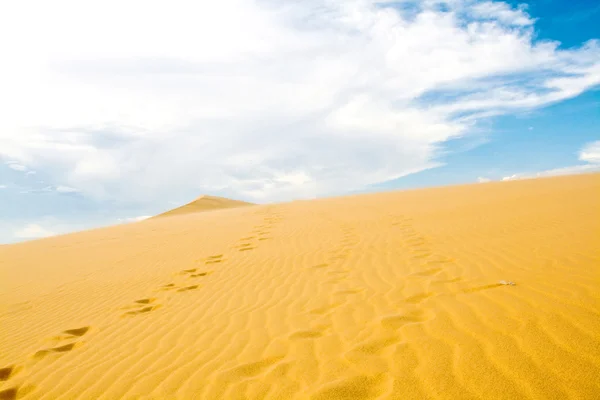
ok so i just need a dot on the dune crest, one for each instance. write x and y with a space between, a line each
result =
467 292
204 203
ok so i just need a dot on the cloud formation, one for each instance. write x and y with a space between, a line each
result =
33 231
134 219
590 154
264 100
15 166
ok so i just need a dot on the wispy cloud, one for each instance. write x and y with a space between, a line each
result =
590 153
33 231
266 100
49 189
134 219
16 166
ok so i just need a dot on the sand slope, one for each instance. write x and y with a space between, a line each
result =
204 203
390 295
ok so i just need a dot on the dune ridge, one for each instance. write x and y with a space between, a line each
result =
392 295
204 203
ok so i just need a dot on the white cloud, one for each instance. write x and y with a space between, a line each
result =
483 180
570 170
33 231
16 229
16 166
2 186
134 219
511 177
265 99
502 12
50 188
589 153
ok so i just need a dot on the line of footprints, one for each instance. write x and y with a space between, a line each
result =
68 339
435 264
259 234
146 305
65 342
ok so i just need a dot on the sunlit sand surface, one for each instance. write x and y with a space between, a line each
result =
487 291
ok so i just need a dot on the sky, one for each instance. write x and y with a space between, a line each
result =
113 111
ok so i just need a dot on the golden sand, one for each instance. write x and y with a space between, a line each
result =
389 295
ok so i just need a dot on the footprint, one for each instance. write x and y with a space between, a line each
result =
78 331
60 349
418 297
306 335
325 309
421 255
169 286
188 288
480 288
214 257
416 242
145 301
375 346
201 274
189 271
358 387
253 369
216 261
320 266
8 372
398 321
142 310
247 248
9 394
264 238
428 272
443 260
341 272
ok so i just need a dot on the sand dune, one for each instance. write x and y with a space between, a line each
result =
380 296
204 203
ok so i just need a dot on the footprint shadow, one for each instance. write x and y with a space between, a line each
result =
394 322
59 349
77 331
480 288
418 297
9 394
188 288
8 372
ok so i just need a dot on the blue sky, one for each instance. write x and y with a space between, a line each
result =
275 101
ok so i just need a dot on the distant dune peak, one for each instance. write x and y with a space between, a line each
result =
205 203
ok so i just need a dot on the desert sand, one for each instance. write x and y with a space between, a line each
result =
392 295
